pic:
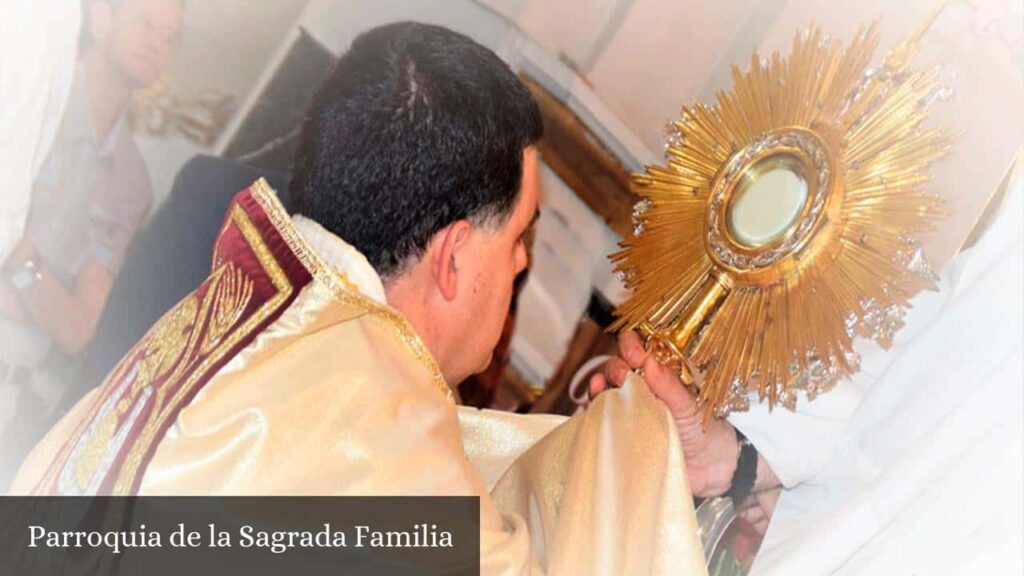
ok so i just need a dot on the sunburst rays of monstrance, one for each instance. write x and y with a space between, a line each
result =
832 152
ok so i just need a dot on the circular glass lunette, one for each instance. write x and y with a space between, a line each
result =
767 202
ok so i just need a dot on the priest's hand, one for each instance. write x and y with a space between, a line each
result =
712 454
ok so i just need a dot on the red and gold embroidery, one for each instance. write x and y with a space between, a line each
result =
259 266
249 286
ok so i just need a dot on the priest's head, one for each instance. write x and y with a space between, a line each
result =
136 38
413 151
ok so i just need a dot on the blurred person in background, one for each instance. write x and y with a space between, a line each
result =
38 49
90 197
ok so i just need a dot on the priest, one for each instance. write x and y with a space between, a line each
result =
320 355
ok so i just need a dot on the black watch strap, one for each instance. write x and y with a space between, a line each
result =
746 471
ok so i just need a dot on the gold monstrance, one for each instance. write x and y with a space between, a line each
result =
785 223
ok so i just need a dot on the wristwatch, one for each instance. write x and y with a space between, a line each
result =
746 471
25 275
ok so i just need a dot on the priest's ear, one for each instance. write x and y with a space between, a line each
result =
101 20
447 248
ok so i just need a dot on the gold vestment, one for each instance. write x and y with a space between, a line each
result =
338 396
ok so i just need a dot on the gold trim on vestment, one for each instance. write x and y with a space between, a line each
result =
284 288
342 287
164 346
200 329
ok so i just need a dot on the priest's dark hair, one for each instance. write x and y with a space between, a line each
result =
416 127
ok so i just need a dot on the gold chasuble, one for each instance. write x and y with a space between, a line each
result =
285 373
